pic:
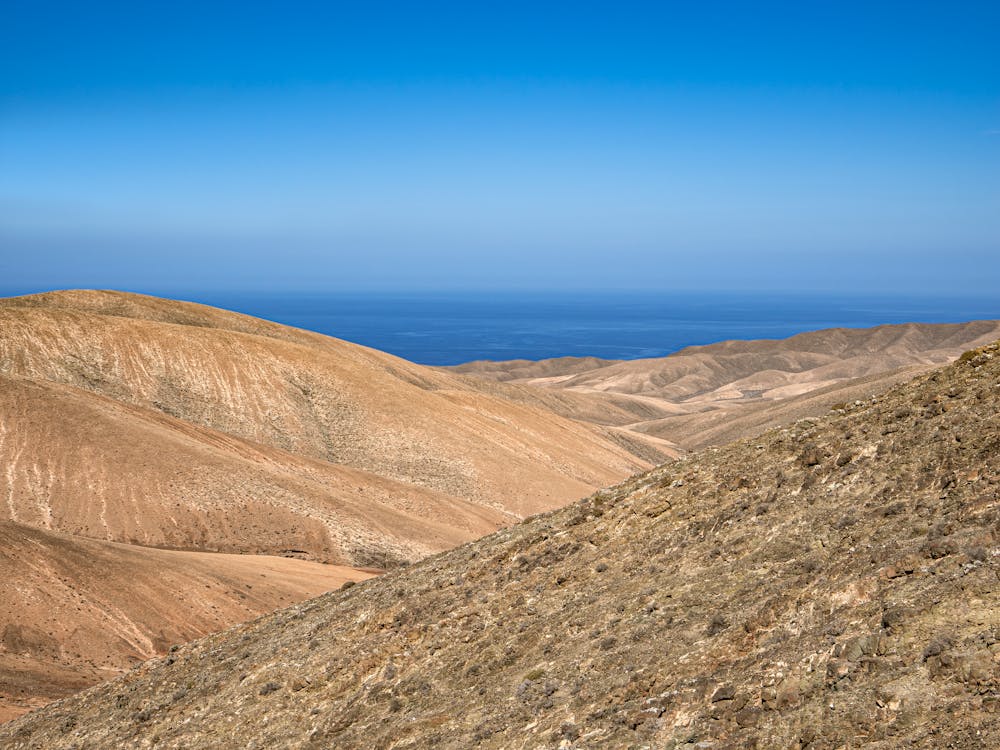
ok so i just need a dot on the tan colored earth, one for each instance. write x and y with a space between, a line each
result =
76 611
307 394
711 395
833 584
141 438
164 424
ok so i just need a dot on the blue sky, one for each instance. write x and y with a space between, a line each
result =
419 146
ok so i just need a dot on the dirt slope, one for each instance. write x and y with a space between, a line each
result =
726 422
832 584
86 464
308 395
74 612
687 397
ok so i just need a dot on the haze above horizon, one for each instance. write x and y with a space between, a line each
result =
326 146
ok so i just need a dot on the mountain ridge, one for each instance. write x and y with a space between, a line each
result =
673 398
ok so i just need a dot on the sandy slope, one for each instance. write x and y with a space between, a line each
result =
126 418
86 464
75 611
309 395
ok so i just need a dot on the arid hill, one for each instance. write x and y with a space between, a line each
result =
75 612
89 465
710 395
131 418
832 584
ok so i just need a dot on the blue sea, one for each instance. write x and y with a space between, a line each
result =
451 328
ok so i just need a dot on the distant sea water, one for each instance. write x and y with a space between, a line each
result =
451 328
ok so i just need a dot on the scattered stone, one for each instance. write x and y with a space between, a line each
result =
269 687
724 693
716 625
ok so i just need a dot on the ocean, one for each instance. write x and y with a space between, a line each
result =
451 328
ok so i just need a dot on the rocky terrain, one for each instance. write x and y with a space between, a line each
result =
711 395
831 584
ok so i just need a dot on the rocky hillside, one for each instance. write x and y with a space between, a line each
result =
832 584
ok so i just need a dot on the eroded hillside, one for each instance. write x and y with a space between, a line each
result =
89 465
833 584
164 424
135 419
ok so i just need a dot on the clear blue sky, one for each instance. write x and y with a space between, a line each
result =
328 146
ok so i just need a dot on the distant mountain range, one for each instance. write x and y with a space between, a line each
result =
710 395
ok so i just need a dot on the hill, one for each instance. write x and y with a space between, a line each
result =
89 465
197 428
709 395
831 584
75 612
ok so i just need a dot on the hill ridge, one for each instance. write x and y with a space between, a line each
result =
683 396
330 401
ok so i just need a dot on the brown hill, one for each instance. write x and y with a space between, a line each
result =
89 465
219 414
709 395
833 584
75 612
